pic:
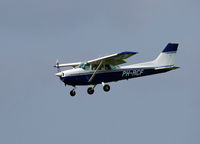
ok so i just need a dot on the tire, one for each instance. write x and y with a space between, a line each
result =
106 88
72 93
90 90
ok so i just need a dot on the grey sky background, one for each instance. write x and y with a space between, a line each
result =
35 107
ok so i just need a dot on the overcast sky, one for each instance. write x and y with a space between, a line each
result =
35 107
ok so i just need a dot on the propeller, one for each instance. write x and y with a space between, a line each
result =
57 66
59 72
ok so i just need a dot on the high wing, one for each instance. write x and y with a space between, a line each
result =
114 59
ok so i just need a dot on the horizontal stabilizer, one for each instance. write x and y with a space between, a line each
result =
167 68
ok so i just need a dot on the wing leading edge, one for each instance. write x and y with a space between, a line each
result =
114 59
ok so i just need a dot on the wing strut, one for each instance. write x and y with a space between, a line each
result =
92 77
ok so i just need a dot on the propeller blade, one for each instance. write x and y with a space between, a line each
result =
57 65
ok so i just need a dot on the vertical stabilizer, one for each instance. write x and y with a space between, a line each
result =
167 57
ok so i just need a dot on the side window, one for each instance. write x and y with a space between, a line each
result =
107 67
87 67
112 66
102 67
94 67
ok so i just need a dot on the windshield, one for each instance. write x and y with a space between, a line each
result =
84 65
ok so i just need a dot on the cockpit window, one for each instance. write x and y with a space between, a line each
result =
84 66
112 66
87 67
94 66
109 67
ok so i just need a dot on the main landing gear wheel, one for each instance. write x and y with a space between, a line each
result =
90 90
73 92
106 88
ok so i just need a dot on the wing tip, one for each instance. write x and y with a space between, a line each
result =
128 52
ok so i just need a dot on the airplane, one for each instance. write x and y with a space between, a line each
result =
107 69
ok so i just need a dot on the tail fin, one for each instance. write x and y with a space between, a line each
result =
167 57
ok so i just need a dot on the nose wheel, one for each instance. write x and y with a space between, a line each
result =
72 92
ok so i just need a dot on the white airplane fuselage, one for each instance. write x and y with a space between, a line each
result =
79 76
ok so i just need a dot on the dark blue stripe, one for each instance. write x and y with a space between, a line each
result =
127 52
171 47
